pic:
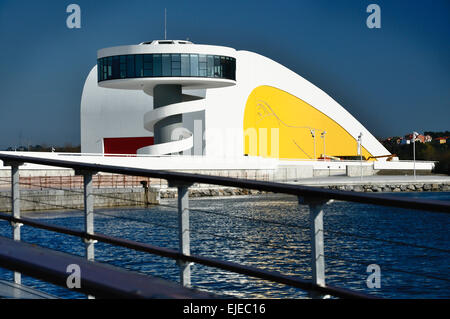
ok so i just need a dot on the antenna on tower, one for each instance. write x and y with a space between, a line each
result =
165 23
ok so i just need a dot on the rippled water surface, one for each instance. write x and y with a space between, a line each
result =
269 232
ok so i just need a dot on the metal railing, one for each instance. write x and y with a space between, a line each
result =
315 198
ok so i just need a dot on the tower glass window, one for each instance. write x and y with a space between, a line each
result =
116 67
165 65
157 65
139 65
185 66
123 67
210 66
176 64
130 67
194 64
202 64
148 64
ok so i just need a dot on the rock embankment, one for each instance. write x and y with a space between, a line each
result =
417 187
231 191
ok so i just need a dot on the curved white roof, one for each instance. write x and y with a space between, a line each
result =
167 46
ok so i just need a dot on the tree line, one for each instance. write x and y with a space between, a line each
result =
431 151
67 148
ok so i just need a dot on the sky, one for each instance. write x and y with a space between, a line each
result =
394 80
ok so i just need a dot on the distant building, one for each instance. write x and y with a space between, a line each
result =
442 140
420 138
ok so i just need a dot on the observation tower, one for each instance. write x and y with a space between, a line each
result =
176 74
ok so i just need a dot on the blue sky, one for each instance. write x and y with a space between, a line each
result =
393 80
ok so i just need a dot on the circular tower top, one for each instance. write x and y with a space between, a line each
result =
143 66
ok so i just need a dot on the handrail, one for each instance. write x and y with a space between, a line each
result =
314 197
176 255
274 187
103 280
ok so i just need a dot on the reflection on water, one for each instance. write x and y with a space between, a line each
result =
269 232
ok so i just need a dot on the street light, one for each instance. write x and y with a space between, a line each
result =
360 152
322 135
313 134
415 134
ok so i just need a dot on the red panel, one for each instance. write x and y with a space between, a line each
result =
125 145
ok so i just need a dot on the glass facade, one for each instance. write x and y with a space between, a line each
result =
166 65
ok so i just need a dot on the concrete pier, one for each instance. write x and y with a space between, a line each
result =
368 184
53 199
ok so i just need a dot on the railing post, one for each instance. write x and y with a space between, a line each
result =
317 247
183 230
15 207
88 211
317 243
88 214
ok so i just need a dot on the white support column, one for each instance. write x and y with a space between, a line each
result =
184 233
183 230
15 206
317 246
88 214
317 239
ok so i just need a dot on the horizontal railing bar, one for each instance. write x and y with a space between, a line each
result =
174 254
101 280
44 226
297 190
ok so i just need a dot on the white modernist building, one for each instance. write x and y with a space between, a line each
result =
171 97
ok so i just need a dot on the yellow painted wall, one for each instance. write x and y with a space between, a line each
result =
271 110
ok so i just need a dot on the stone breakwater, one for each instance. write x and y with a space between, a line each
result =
418 187
231 191
44 200
207 191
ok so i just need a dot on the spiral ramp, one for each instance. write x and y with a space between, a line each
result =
182 138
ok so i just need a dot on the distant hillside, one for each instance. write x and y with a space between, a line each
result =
437 134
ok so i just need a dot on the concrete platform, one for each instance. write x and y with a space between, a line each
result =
377 179
10 290
206 164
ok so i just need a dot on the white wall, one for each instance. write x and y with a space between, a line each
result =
111 113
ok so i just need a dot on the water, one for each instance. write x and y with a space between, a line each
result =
269 232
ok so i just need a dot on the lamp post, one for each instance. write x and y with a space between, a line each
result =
313 134
322 135
415 134
360 151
